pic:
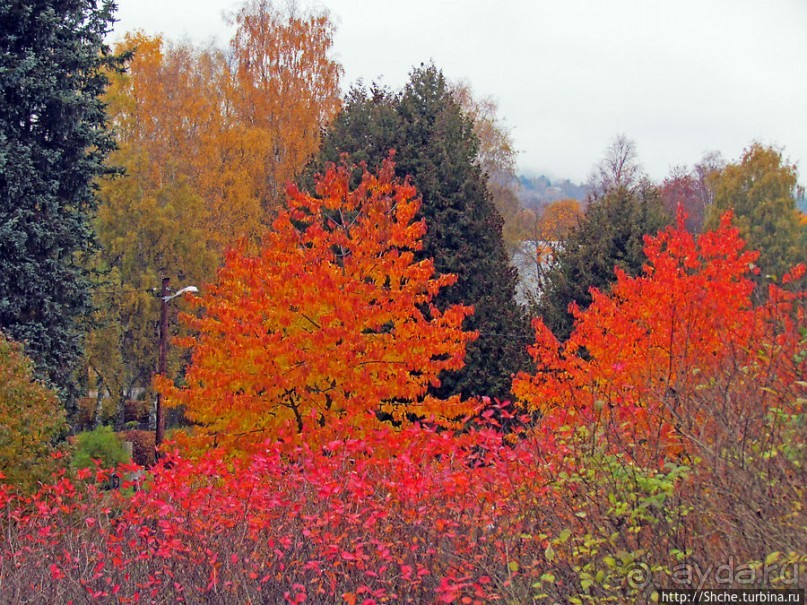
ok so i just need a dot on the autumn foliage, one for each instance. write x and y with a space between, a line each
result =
658 442
406 516
332 319
230 128
286 88
206 140
638 355
31 418
556 220
669 436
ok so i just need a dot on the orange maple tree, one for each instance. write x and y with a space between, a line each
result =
332 319
639 355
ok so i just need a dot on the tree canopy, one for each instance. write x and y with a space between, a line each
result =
435 144
761 190
207 140
332 320
609 235
53 142
31 419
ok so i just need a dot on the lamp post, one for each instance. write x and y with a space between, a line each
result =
163 362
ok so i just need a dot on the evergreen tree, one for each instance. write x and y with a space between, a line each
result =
610 234
53 141
366 128
436 146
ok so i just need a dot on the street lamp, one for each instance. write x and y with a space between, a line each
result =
163 363
182 291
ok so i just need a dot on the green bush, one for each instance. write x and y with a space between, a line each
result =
99 444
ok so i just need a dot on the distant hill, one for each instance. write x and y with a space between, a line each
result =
537 192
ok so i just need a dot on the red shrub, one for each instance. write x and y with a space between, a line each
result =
143 448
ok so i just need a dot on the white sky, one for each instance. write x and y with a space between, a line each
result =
680 77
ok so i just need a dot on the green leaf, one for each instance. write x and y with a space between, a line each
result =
772 558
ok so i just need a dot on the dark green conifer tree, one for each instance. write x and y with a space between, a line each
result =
610 234
53 141
435 146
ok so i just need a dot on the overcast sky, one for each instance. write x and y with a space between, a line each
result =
680 77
